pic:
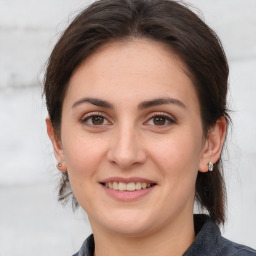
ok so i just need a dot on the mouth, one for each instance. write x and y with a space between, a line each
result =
127 186
128 189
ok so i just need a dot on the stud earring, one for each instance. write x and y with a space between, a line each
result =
59 164
210 164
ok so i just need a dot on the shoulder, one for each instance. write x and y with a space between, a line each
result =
233 249
210 242
87 248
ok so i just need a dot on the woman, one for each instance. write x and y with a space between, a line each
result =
136 95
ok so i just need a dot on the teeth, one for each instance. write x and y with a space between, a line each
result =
122 186
138 186
131 186
144 185
110 185
115 185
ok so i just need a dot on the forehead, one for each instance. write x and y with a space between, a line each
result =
134 68
135 55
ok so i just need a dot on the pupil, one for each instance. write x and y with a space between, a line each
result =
97 120
159 120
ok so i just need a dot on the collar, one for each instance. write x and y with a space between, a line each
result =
208 239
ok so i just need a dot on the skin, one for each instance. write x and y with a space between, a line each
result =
127 140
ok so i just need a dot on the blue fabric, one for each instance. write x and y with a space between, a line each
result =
208 242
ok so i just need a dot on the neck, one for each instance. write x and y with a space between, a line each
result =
172 240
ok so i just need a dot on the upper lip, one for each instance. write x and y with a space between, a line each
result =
128 180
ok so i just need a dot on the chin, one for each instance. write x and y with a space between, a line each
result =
128 223
131 230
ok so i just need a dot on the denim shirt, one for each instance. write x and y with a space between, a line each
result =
208 242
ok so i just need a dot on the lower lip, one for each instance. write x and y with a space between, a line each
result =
127 195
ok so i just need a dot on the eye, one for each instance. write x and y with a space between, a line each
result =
95 120
160 120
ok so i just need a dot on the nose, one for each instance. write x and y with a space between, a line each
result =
125 150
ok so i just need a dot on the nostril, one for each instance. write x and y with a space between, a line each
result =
126 159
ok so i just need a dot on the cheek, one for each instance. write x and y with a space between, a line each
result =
178 157
83 154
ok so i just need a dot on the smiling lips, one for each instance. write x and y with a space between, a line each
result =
123 189
131 186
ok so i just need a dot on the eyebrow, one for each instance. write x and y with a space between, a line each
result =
142 105
93 101
160 101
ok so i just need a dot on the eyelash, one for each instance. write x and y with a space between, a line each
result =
89 116
167 118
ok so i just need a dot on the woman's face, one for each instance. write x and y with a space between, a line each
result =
131 137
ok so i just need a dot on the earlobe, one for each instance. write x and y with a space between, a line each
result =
213 145
56 144
61 167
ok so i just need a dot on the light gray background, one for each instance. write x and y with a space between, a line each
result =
31 220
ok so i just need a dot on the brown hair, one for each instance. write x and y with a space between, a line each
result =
165 21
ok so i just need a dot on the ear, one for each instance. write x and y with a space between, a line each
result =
57 147
213 144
